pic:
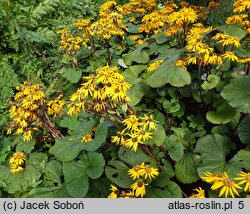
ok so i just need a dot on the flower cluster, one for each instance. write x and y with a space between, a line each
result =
143 170
55 106
108 25
138 7
179 21
242 6
152 22
25 109
17 162
30 109
110 22
200 49
226 40
70 43
137 130
102 90
140 173
226 185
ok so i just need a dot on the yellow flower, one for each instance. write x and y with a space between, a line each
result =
154 65
24 109
87 138
241 5
180 63
139 188
115 192
55 107
27 135
236 19
226 39
131 122
132 19
134 37
191 59
149 172
118 139
226 186
212 177
133 142
244 178
153 22
148 122
17 162
230 55
183 16
200 193
142 134
127 194
136 171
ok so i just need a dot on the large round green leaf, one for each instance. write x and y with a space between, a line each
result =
186 169
69 147
211 82
223 113
158 137
233 30
94 163
137 91
76 178
138 55
212 151
135 158
117 172
244 130
237 93
167 72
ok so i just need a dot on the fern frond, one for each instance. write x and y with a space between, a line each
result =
45 8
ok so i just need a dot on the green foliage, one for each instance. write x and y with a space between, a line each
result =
243 130
237 94
223 113
200 108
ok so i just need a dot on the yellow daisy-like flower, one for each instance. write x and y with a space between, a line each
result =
148 122
139 188
17 162
226 39
244 178
212 177
241 5
131 122
149 172
200 193
133 142
154 65
136 172
127 194
115 192
226 186
230 55
180 63
143 135
118 139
